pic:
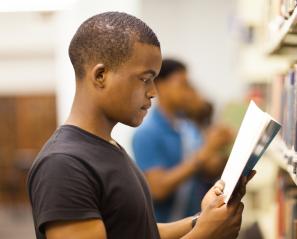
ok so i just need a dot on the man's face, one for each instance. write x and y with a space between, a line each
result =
175 90
130 87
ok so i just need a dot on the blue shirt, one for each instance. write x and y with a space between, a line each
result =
157 143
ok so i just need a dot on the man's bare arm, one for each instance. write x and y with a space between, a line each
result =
82 229
217 219
175 230
163 182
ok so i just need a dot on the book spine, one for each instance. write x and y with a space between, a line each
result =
291 109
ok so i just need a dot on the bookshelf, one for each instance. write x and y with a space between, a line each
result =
271 54
277 41
283 107
269 58
282 43
281 155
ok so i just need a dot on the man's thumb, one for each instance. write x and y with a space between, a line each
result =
217 202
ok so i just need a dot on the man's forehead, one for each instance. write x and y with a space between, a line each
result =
145 49
147 56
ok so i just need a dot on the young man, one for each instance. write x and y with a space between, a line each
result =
177 158
83 185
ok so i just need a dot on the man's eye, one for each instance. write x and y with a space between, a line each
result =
145 80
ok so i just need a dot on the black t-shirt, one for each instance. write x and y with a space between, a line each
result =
78 175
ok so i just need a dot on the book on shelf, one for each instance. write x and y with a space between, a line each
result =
287 7
276 97
284 106
279 11
290 109
254 136
286 206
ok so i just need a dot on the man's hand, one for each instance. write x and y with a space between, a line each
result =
218 188
213 167
219 220
212 194
240 189
218 137
211 158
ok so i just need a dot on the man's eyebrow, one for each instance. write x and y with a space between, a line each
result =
152 72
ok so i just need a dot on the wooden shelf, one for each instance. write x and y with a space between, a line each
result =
277 45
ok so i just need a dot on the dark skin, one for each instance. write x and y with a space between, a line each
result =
105 97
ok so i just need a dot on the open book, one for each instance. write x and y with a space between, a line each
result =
255 134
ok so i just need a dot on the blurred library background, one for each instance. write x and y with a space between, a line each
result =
236 50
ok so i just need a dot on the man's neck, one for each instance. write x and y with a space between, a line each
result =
87 117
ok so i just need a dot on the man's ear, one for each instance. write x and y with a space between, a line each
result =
99 75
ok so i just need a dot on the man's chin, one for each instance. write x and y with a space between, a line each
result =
133 123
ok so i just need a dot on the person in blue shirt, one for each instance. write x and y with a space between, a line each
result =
179 164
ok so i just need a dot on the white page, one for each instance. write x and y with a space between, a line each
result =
251 128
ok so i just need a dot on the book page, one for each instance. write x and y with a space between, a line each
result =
251 128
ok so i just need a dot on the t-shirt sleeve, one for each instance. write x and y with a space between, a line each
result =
61 189
147 150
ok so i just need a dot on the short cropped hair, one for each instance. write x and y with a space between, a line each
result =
108 37
169 66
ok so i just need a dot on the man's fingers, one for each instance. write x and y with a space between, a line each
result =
238 196
238 214
241 187
219 187
218 191
240 208
239 190
218 202
251 175
236 209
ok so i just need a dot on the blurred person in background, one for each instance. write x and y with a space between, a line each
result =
83 184
179 153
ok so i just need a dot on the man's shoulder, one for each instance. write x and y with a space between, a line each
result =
61 142
50 160
63 147
70 145
73 141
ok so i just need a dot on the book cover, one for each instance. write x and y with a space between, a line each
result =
256 132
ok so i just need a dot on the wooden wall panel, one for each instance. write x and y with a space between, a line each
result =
26 122
35 120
